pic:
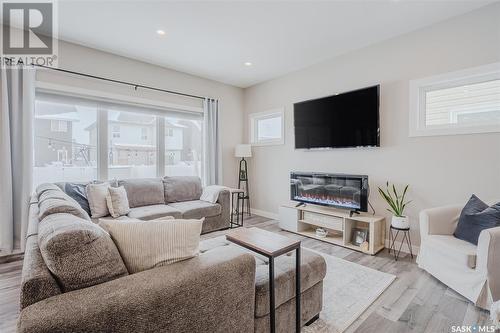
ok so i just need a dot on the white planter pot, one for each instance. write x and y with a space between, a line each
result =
400 222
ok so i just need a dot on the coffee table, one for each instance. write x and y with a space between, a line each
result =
271 245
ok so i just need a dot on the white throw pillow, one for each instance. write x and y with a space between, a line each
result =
96 195
117 201
147 244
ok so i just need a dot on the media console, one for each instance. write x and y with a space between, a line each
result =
304 220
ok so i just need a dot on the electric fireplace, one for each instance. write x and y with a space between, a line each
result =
326 189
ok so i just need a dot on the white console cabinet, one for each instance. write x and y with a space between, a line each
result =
304 220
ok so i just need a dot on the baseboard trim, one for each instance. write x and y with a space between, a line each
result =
404 248
263 213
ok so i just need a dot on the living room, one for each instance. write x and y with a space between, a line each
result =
348 149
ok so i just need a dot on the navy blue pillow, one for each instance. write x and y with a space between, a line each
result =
475 217
77 192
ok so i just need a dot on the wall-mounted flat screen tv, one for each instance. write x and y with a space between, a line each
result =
349 119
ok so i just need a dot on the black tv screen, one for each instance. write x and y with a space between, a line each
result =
349 119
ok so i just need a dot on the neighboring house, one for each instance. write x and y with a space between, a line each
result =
132 139
192 139
174 142
54 133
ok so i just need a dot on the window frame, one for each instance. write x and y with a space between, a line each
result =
419 87
162 110
254 118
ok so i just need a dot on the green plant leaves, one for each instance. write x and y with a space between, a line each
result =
397 203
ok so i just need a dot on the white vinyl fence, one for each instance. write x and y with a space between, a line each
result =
60 173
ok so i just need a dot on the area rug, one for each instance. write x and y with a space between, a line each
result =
348 290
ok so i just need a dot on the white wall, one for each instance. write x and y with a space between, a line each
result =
440 170
91 61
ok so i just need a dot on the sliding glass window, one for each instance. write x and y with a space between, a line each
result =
80 140
131 145
63 145
183 146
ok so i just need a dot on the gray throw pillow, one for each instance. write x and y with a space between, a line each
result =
77 192
475 217
143 191
182 188
77 252
53 201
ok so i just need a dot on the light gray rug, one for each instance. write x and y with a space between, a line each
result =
348 290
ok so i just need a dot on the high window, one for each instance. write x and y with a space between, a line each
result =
461 102
78 139
267 128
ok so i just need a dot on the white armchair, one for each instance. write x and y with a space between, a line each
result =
473 271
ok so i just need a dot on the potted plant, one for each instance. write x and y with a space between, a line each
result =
397 204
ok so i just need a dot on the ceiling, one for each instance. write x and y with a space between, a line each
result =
214 39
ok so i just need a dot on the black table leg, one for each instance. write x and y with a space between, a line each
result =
271 295
409 245
394 245
297 290
237 211
390 240
242 210
231 216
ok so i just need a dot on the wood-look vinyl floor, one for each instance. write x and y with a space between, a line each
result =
415 302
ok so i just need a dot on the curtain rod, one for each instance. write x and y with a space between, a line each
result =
120 82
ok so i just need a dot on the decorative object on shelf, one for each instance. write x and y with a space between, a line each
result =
392 240
365 246
359 236
397 205
243 150
320 232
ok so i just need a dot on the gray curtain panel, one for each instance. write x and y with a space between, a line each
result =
17 91
213 153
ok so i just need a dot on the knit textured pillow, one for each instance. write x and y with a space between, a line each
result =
147 244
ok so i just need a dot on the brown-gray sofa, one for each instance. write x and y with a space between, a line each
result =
179 197
223 289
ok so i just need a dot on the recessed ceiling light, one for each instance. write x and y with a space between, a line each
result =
248 63
160 32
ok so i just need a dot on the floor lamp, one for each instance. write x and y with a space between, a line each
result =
244 151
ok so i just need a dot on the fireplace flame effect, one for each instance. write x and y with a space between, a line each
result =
334 200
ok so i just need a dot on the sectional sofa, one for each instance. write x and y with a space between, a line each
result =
223 289
179 197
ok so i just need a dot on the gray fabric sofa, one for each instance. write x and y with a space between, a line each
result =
223 289
313 271
214 292
179 197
